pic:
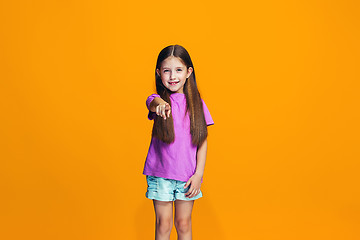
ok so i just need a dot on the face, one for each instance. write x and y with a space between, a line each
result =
173 74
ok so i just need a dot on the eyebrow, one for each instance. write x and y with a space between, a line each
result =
168 67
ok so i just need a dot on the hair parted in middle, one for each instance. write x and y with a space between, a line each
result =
164 129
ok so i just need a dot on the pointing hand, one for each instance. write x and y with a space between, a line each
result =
163 110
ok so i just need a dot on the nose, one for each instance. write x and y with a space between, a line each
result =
172 75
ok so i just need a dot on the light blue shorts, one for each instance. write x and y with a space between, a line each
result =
164 189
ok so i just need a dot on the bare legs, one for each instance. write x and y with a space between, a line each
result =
183 211
164 219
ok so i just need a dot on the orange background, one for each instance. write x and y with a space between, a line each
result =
280 78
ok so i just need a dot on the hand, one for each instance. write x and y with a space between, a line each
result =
163 110
194 189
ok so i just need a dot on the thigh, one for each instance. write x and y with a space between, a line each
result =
183 209
161 189
163 209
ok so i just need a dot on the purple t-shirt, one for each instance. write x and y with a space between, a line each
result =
176 160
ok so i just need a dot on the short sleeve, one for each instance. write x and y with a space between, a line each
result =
151 115
208 119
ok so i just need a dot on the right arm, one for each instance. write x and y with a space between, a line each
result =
161 107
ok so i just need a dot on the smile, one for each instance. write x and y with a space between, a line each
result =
174 83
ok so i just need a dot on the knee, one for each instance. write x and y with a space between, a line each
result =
183 224
164 225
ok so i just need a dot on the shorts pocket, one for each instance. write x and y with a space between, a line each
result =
182 189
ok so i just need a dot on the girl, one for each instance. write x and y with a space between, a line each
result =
175 161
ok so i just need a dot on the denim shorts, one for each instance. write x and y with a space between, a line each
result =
164 189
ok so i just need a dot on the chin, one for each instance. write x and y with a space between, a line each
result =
173 90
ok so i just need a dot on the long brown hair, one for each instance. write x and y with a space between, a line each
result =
164 129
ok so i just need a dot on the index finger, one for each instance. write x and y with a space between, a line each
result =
169 113
189 191
167 106
191 194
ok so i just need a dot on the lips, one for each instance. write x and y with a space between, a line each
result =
174 83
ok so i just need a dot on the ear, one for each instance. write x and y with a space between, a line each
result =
190 70
158 72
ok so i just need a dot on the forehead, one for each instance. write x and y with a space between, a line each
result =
172 62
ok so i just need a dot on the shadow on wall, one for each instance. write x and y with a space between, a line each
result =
205 223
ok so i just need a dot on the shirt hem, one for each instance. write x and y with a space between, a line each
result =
164 175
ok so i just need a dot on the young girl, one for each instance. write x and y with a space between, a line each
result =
175 161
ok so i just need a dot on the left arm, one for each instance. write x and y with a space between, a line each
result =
201 158
195 180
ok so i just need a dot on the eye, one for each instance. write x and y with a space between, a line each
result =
179 69
166 70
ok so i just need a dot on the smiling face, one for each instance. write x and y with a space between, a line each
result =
173 74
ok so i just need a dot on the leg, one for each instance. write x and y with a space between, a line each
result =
164 215
183 210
